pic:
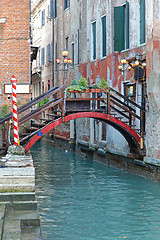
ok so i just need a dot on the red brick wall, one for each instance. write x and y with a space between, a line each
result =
14 45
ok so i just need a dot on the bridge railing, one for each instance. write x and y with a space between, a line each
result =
114 104
27 107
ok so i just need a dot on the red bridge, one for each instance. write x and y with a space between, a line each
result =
112 108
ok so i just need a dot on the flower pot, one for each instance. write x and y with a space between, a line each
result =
96 90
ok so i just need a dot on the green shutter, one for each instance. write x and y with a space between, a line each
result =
119 14
94 40
104 36
142 22
127 25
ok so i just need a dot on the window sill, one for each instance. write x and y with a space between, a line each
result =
93 60
67 8
103 58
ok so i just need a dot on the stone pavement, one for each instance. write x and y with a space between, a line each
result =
19 218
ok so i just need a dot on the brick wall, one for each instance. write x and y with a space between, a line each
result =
14 46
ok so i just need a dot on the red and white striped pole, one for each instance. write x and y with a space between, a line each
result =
15 118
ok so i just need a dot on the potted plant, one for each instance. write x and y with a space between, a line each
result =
82 86
95 88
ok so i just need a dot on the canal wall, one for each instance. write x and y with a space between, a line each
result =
19 218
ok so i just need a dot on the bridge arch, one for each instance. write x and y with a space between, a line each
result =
129 134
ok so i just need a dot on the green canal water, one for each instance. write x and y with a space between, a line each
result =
84 200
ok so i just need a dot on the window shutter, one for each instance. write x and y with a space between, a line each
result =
119 13
55 8
72 54
42 19
51 51
48 53
94 40
51 8
127 25
142 22
42 56
104 36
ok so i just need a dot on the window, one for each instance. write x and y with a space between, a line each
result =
42 87
121 27
72 54
51 8
66 3
43 17
48 84
94 41
142 22
42 56
55 8
103 36
39 88
48 55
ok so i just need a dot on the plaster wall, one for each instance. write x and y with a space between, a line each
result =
153 76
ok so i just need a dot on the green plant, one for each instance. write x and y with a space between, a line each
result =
95 85
83 83
74 82
4 110
18 103
44 101
103 84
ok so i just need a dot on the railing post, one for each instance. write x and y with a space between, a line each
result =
130 120
108 105
3 135
141 129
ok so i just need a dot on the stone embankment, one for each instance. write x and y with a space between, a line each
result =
19 218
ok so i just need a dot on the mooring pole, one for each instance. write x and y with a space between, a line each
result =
14 105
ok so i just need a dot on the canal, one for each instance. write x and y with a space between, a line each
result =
79 199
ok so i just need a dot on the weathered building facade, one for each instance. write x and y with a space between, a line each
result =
14 50
98 35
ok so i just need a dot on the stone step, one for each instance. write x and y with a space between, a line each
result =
20 196
31 233
28 218
2 215
16 179
30 187
19 206
12 230
21 171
